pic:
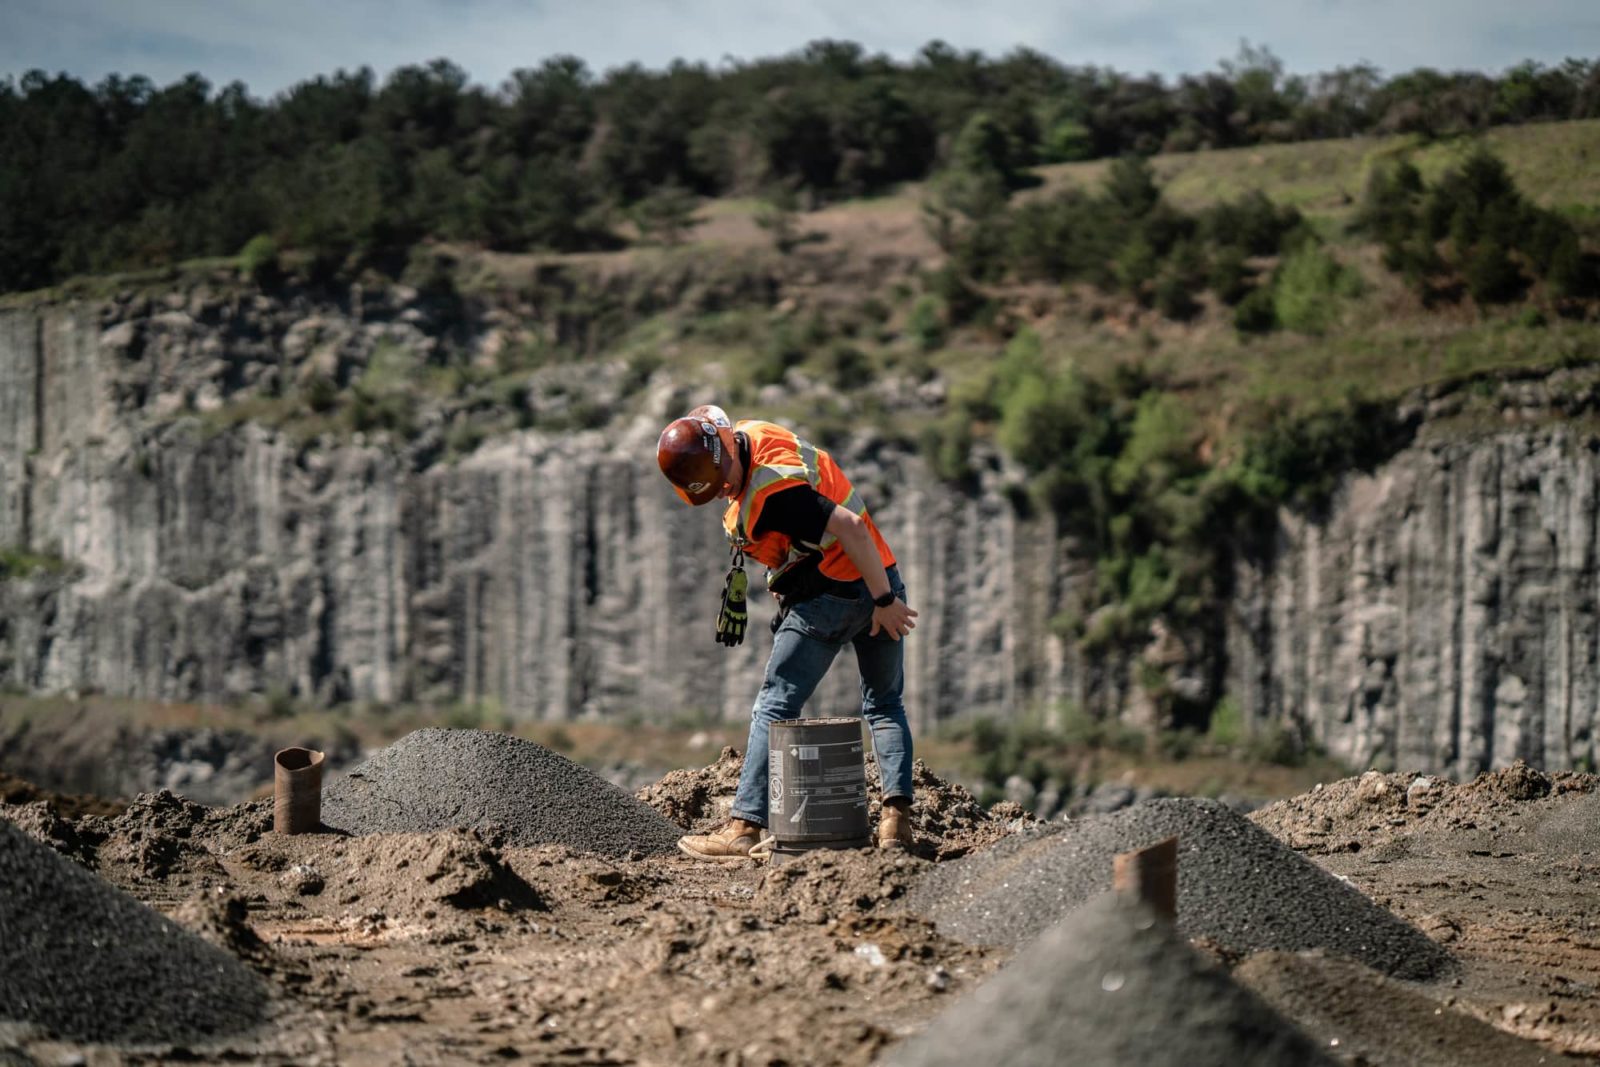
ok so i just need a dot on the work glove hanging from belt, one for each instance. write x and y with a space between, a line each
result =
731 617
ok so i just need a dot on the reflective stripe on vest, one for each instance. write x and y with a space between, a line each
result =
779 460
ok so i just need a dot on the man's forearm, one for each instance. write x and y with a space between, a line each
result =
858 545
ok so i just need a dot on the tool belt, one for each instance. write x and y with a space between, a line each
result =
802 582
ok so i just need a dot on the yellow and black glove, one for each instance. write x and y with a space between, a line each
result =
732 617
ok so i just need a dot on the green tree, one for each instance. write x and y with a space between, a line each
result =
1309 290
666 215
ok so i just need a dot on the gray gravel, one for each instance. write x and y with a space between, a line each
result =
86 962
1237 885
1110 985
437 779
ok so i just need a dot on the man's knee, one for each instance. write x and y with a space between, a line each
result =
888 711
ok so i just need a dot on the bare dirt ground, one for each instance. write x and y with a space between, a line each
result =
450 947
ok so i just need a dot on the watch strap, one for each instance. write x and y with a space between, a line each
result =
885 600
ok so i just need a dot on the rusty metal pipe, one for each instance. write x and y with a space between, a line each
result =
297 791
1150 875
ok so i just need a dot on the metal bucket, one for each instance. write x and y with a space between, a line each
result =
297 791
817 785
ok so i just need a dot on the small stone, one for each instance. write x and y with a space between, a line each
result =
304 879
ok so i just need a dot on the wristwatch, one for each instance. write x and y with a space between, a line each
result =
885 600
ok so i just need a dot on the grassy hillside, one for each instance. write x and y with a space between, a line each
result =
1381 342
1556 164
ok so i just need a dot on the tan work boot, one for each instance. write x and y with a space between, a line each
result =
894 827
729 843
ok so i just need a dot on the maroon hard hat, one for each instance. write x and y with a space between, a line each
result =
696 455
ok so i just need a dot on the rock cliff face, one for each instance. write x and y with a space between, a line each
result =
1442 616
550 575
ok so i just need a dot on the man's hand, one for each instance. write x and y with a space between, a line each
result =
894 620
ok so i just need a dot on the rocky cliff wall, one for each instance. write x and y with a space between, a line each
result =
1442 615
549 574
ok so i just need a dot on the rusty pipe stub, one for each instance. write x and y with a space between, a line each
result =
297 791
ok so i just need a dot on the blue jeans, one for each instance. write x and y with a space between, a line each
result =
802 651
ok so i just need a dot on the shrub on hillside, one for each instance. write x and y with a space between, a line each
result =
665 216
1257 312
1309 289
1252 223
1180 278
947 446
258 260
1230 277
1490 274
1474 230
926 323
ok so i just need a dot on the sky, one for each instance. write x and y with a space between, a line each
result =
271 45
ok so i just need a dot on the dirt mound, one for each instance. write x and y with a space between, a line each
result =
1110 985
84 961
14 790
1353 813
697 798
1237 887
405 875
825 884
160 837
1376 1020
436 779
40 821
946 819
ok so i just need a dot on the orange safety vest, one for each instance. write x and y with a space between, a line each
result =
779 460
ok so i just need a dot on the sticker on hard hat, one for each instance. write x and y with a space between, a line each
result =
698 487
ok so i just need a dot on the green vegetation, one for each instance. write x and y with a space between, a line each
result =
128 175
20 562
1308 290
1127 451
1070 749
1472 231
1125 238
259 261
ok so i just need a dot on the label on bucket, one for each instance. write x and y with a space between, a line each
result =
818 791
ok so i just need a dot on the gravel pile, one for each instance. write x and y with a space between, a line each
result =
86 962
1374 1020
1238 888
1111 986
438 779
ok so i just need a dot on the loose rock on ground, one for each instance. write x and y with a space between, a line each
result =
438 779
83 960
1108 986
1237 888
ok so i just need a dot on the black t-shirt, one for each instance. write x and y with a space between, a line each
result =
800 513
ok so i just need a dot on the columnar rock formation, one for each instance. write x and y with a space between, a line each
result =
1444 615
549 574
1441 616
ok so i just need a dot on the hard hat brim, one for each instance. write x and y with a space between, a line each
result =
698 499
